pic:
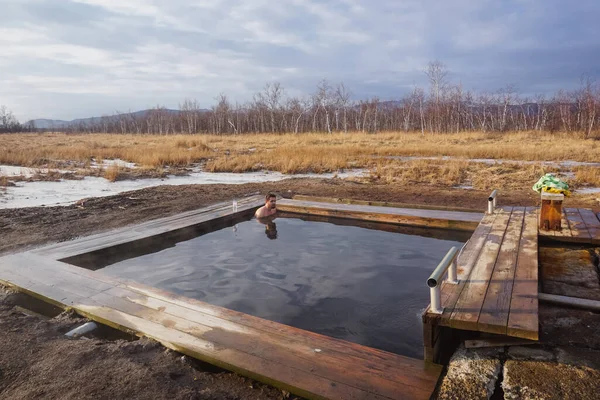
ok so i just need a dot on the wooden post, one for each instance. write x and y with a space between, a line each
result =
551 213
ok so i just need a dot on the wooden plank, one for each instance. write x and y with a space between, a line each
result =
413 375
523 317
496 306
404 216
144 230
592 223
339 200
468 306
578 228
464 264
369 378
269 327
496 342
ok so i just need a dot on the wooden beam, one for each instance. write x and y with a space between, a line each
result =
468 306
523 317
496 306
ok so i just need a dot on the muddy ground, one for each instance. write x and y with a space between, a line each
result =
38 361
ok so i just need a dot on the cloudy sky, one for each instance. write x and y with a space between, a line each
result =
69 59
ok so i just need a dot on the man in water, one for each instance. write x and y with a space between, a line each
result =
269 209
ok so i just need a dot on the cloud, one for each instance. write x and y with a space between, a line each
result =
78 58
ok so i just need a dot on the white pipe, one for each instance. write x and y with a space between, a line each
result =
452 273
436 300
82 330
490 206
586 304
492 201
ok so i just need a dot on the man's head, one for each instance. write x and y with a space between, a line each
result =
270 201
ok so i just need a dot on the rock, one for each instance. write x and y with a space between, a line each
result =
578 356
530 353
569 272
472 374
549 380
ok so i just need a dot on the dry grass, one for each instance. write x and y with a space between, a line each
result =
112 172
315 153
587 176
448 173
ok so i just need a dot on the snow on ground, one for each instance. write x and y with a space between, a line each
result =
66 192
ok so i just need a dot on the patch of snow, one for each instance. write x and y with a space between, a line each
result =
108 163
66 192
589 190
9 170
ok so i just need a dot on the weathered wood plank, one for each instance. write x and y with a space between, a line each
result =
405 216
592 223
464 264
252 343
339 200
578 228
496 306
144 230
468 306
386 373
523 317
268 327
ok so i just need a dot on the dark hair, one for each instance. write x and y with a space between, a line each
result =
269 195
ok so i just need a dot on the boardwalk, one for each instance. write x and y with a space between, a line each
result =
497 272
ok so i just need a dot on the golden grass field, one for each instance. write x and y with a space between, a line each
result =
289 153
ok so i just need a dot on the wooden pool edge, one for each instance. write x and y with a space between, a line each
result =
80 290
428 218
421 375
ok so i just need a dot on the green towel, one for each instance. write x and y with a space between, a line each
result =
550 183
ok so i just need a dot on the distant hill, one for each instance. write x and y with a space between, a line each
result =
43 123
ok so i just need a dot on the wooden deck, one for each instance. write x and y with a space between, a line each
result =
301 362
580 225
497 272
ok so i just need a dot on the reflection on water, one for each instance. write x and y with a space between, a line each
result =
362 285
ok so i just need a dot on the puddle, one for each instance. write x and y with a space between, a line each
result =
66 192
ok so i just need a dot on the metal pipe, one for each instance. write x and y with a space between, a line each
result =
586 304
492 201
435 277
82 330
436 300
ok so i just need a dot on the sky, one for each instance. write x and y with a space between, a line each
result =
66 59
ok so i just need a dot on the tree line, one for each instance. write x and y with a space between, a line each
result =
441 107
10 124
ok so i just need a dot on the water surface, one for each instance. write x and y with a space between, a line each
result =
353 283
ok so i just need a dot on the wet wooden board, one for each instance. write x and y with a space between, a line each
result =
498 278
578 227
405 216
464 264
304 363
496 306
523 317
465 314
339 200
592 223
147 229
